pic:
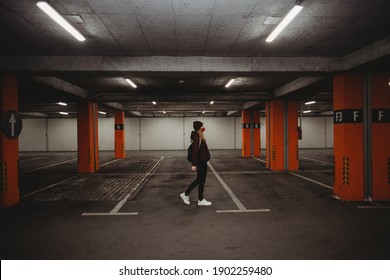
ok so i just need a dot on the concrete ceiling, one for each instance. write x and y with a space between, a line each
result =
181 53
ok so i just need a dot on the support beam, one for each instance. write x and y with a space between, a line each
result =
170 64
230 113
370 53
62 85
185 107
298 84
249 105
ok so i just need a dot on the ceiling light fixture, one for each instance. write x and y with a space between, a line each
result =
101 112
62 103
310 102
131 83
49 10
287 19
230 83
64 113
154 102
164 112
211 102
203 112
181 81
307 111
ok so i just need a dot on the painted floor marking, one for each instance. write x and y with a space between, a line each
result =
115 210
47 166
49 187
320 161
241 207
107 163
259 159
311 180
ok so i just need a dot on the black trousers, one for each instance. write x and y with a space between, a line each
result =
200 179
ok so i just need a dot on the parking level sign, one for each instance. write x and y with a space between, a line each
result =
11 124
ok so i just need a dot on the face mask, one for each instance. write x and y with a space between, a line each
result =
203 129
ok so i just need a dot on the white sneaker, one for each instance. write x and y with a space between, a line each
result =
204 202
185 198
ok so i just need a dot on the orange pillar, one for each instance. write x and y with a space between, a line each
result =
256 133
282 135
380 91
119 134
9 144
246 133
348 137
87 137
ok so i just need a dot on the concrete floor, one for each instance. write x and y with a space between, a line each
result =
296 218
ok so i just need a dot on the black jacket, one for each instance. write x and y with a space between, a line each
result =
199 153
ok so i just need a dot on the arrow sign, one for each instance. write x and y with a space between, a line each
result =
12 121
11 124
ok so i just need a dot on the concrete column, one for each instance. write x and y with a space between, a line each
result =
87 137
9 143
256 133
282 135
348 137
380 101
120 134
246 133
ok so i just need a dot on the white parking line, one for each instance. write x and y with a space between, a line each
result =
107 163
47 166
320 161
259 159
115 210
311 180
241 207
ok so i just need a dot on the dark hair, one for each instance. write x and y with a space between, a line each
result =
197 125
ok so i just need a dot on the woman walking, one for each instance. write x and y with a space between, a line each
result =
200 157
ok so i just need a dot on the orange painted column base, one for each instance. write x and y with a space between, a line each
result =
246 133
380 91
87 137
9 147
282 135
120 151
256 134
348 137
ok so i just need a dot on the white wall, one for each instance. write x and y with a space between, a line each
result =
106 134
161 133
33 135
317 132
62 134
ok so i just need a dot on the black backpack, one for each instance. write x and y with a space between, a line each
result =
189 150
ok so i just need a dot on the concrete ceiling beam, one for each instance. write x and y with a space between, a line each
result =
184 107
295 85
170 64
370 53
62 85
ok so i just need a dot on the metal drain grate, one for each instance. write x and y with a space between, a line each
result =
90 188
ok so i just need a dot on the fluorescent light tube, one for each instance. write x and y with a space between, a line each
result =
203 112
64 113
103 113
154 102
164 112
230 82
62 103
308 111
212 102
44 6
131 83
309 102
287 19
